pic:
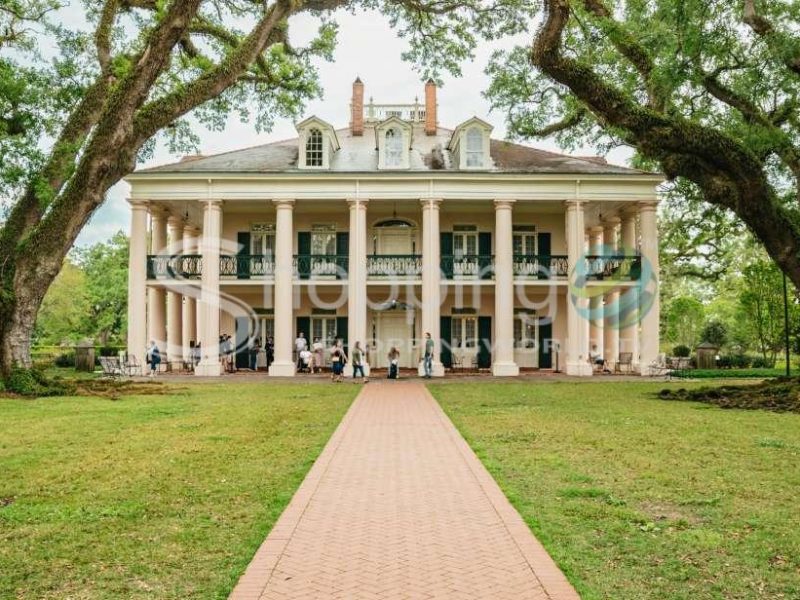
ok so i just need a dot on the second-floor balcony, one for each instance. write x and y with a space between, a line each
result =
399 266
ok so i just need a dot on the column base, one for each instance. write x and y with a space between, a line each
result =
579 369
282 369
437 369
505 369
208 368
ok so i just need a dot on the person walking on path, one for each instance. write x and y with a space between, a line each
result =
319 355
394 362
358 362
153 357
427 359
254 350
338 360
270 350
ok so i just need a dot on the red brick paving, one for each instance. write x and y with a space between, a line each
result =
398 506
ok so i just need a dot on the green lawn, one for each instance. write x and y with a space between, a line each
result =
151 496
640 498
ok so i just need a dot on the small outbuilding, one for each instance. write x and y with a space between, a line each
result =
707 355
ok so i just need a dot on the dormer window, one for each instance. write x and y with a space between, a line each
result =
394 148
317 144
393 143
469 145
314 152
474 147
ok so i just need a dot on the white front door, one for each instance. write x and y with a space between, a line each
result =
394 330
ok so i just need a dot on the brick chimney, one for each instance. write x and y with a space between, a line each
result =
430 107
357 108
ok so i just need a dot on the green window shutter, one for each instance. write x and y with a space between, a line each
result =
543 243
303 250
484 342
242 263
445 331
545 343
304 325
446 252
485 252
241 349
341 332
342 251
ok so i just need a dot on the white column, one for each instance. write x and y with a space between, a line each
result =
174 296
596 300
357 275
577 325
189 313
209 293
431 292
649 340
611 299
503 364
629 335
156 299
137 284
283 366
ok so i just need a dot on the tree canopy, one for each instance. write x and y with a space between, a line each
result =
704 90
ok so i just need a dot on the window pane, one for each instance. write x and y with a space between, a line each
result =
314 148
470 334
472 244
394 148
517 333
456 336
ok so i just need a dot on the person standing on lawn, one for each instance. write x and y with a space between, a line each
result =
427 360
394 362
338 360
153 357
358 362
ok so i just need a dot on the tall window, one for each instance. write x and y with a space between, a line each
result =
524 240
394 148
464 332
262 239
474 147
314 148
324 328
323 239
525 330
465 240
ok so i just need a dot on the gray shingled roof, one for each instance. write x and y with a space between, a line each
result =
358 155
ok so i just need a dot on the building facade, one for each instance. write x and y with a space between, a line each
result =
509 256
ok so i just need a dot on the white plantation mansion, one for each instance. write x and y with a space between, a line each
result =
511 257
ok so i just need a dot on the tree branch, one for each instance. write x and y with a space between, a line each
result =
762 27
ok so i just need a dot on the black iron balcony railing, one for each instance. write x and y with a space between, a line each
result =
467 266
394 265
245 266
538 266
619 268
164 266
190 266
324 266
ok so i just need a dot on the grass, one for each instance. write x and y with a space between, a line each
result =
151 496
638 498
729 373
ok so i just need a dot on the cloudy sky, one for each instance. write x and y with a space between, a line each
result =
367 48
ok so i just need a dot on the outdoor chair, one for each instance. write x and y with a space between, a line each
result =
660 367
131 366
625 361
111 367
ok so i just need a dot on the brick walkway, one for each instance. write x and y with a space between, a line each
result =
398 506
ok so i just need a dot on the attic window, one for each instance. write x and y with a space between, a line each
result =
314 148
394 148
474 147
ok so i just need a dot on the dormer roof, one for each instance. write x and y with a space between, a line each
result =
454 139
322 125
394 122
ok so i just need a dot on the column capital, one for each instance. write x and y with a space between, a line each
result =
157 211
648 205
357 202
596 229
175 221
573 204
284 203
138 203
611 222
430 203
190 229
504 203
629 212
213 204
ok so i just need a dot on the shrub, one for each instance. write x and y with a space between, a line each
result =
759 362
741 361
715 332
681 351
724 362
67 359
